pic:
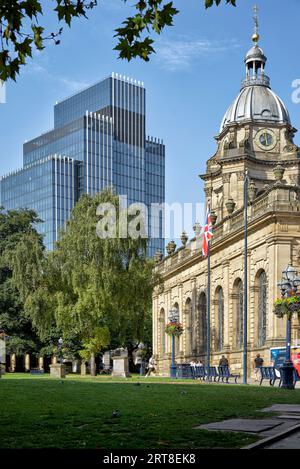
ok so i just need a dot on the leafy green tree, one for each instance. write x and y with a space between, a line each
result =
89 284
15 227
21 30
94 344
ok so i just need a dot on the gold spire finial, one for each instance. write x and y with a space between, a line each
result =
255 36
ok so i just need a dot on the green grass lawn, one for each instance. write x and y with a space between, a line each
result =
40 412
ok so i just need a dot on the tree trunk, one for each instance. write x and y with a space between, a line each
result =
93 365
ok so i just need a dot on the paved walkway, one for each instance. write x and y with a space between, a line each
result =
287 419
290 442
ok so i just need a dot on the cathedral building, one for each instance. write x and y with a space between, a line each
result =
255 139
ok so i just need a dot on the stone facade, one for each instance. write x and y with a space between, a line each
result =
264 148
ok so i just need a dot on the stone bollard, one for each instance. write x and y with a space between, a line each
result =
120 367
58 370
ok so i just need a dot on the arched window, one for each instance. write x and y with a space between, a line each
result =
262 308
220 318
188 326
203 322
162 324
239 307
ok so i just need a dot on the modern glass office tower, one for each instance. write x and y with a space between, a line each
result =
98 140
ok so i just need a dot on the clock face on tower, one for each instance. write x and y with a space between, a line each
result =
265 139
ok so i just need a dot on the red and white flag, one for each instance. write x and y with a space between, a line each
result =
207 233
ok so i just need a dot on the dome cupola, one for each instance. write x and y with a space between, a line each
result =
256 101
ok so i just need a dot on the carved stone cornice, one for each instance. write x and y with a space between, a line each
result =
210 176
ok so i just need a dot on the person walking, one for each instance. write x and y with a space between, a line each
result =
258 363
223 361
151 367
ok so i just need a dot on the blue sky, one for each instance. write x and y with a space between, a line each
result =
190 82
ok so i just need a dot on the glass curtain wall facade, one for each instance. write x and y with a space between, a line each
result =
50 187
101 131
155 190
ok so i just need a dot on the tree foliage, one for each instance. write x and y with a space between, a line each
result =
98 290
15 227
91 347
21 30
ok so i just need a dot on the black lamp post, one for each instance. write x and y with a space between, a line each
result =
173 318
288 286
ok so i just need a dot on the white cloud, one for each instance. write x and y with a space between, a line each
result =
39 66
73 85
183 53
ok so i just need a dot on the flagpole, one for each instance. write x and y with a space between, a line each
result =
245 348
208 306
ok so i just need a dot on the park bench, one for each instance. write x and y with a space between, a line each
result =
198 372
184 370
269 373
212 373
224 373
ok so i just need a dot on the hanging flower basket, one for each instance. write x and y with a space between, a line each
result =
174 328
287 306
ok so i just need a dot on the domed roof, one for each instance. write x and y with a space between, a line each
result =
255 53
256 102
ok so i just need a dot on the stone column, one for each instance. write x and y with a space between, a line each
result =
179 345
226 290
214 325
27 362
187 342
240 189
226 193
41 363
232 331
13 362
161 338
194 317
253 315
279 256
155 330
168 302
208 194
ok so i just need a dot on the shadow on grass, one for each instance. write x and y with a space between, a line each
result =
85 412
